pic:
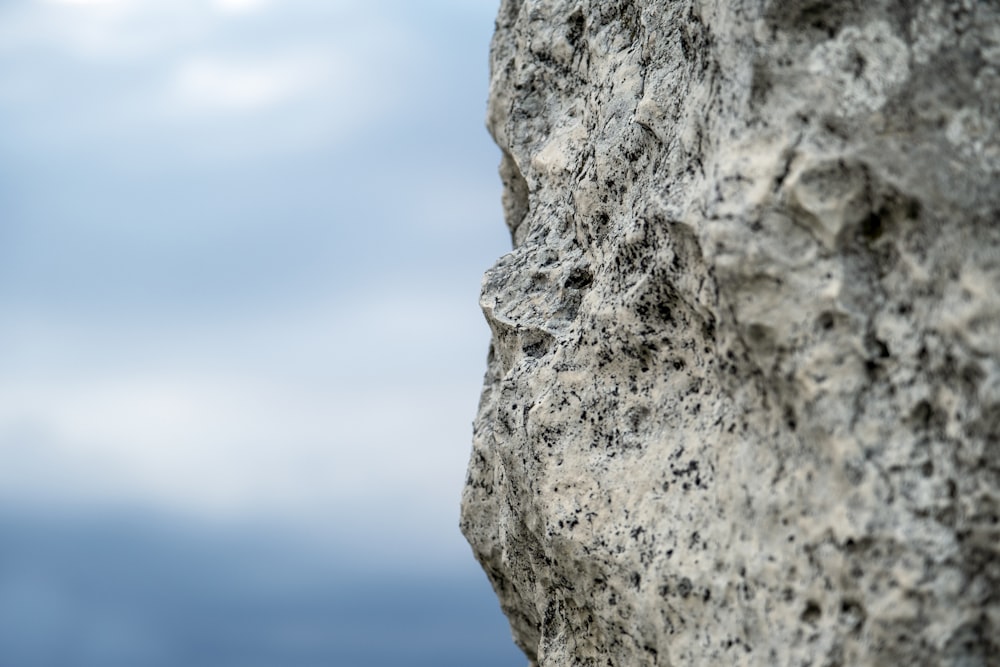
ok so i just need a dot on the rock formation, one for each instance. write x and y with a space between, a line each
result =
742 404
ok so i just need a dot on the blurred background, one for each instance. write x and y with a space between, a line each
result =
240 348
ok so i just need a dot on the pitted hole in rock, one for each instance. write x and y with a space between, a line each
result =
852 615
818 19
575 285
790 418
575 26
760 336
684 587
878 352
890 210
922 415
826 321
871 227
972 375
579 279
535 344
812 613
636 416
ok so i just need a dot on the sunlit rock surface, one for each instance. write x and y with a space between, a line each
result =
743 399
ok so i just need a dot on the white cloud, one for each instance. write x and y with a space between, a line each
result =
305 419
119 33
181 77
201 85
89 3
240 6
226 447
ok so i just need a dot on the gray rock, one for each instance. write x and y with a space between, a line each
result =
742 404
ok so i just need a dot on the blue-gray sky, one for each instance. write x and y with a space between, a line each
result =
240 251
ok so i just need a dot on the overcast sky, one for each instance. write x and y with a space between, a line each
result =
240 251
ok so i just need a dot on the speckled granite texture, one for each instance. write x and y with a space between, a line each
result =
743 398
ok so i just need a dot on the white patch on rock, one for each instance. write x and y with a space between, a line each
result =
861 67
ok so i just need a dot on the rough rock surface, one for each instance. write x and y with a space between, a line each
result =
743 398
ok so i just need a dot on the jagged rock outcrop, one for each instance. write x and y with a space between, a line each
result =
742 404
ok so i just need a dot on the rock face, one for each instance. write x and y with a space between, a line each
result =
743 398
